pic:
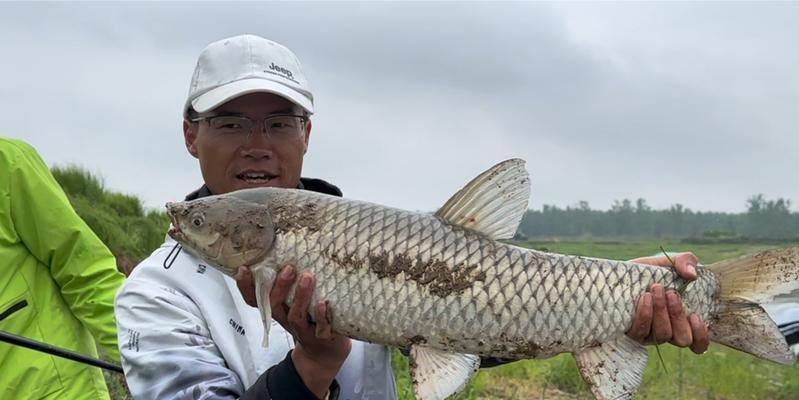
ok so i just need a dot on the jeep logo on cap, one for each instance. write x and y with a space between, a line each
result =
281 71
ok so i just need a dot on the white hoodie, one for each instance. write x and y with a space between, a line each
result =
185 332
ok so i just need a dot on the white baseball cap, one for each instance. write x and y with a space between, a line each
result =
245 64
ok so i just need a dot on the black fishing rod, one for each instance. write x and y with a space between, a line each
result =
56 351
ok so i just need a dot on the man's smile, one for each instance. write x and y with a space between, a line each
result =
256 177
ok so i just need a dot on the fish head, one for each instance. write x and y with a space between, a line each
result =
225 231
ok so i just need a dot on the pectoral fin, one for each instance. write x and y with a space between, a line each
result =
264 278
613 370
437 375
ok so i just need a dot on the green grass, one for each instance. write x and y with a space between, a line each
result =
119 220
721 373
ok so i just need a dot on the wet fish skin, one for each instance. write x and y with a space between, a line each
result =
402 278
443 285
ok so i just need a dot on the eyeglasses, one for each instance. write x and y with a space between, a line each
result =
277 127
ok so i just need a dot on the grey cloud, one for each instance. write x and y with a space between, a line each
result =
689 103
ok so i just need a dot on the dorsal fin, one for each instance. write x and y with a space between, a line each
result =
493 203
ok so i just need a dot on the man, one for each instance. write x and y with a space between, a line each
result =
187 331
57 284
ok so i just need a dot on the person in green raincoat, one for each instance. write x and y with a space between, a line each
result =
57 284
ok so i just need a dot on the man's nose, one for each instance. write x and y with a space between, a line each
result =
258 144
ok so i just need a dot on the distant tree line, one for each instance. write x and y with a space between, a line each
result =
764 220
132 232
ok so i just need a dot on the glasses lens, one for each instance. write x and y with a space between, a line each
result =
283 126
231 125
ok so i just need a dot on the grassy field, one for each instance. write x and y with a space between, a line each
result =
721 373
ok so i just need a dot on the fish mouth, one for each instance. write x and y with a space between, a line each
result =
174 231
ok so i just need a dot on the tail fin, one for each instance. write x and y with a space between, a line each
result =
746 283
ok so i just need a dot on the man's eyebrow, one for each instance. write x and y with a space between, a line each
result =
227 114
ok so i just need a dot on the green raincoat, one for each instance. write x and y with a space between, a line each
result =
57 284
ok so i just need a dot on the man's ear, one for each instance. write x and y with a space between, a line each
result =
190 137
308 127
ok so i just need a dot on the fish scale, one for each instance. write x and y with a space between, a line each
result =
574 301
442 285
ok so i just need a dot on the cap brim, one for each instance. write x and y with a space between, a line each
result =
222 94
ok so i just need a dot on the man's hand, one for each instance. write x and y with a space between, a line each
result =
319 352
660 316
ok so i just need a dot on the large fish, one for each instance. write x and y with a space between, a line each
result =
441 285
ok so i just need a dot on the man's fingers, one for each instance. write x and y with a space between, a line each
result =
246 284
279 292
302 300
642 321
282 285
661 261
680 328
699 330
661 324
685 265
323 328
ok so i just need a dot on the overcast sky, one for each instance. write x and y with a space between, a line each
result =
691 103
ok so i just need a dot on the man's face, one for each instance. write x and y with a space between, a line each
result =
258 161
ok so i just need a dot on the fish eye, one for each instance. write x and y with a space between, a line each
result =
198 220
